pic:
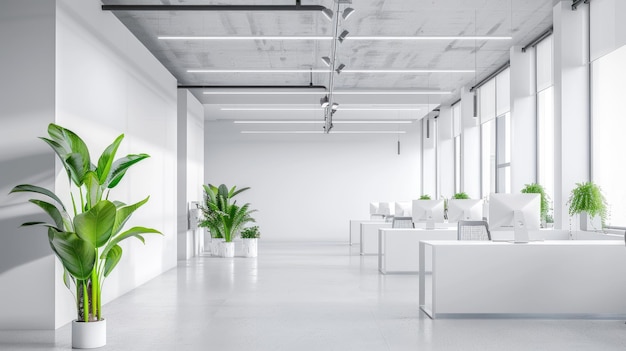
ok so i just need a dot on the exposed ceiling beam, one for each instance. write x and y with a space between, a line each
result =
251 87
296 7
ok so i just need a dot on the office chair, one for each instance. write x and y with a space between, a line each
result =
473 230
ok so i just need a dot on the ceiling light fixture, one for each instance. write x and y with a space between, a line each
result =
320 122
340 68
326 60
335 106
321 132
328 13
373 38
324 101
340 92
252 109
347 13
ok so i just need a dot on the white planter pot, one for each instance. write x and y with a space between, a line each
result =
89 335
216 246
250 247
228 249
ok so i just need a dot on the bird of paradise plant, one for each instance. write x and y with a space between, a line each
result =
86 240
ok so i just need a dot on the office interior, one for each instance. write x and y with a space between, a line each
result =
481 97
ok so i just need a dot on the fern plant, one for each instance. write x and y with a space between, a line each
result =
460 196
587 197
425 197
534 188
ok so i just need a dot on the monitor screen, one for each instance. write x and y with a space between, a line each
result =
403 209
384 208
503 209
465 210
373 208
428 210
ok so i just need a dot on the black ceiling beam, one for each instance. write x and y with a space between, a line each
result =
303 87
296 7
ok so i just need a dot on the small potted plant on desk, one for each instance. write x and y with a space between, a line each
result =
250 237
86 237
587 201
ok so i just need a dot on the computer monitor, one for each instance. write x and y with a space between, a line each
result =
429 211
465 210
384 208
403 209
517 212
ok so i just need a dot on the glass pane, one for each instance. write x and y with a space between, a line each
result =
504 138
457 164
503 89
545 140
488 157
609 124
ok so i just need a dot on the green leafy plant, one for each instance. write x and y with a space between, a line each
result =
588 197
223 218
250 233
534 188
86 240
460 196
425 197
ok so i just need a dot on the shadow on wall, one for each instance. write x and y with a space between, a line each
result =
19 245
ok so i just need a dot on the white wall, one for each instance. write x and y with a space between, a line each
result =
429 157
92 76
470 149
308 187
608 26
190 170
26 63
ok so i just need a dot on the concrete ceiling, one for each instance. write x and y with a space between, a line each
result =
523 20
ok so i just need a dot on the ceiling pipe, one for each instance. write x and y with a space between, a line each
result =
296 7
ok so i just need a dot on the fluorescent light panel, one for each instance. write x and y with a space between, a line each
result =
321 122
327 70
312 37
322 132
315 109
340 92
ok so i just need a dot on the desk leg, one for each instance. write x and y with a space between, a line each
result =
422 297
361 237
381 252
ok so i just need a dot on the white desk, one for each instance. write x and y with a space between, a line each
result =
355 229
567 278
369 237
398 248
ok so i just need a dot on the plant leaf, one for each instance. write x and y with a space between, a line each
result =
52 211
112 259
119 168
96 225
94 193
77 167
77 256
123 214
39 190
132 232
106 159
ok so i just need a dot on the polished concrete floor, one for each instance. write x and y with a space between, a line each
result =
307 296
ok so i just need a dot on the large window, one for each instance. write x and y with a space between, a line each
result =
609 124
456 134
495 118
545 115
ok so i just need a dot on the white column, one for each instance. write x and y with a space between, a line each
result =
571 104
523 119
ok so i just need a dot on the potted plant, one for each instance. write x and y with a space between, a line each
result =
460 196
534 188
86 237
249 237
586 200
425 197
223 217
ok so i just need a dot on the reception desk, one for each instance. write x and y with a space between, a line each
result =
398 248
560 278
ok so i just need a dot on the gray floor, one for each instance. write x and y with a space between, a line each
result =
307 296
